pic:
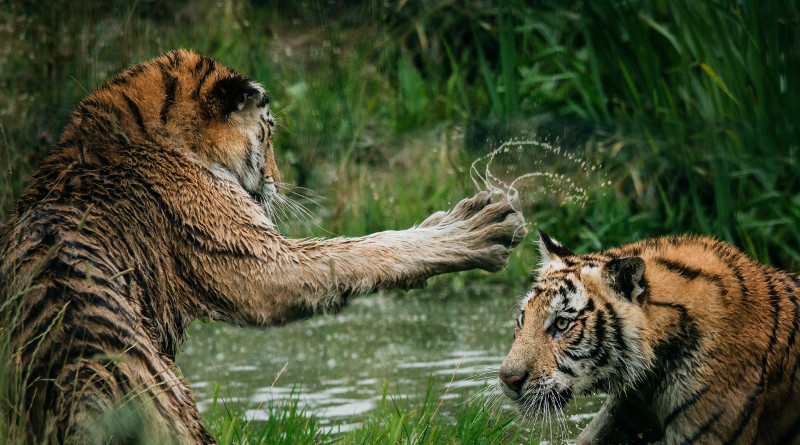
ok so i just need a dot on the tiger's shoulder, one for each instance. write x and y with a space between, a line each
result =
170 158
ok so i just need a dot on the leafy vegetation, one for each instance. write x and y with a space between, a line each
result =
687 106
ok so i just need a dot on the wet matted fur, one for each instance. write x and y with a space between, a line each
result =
148 214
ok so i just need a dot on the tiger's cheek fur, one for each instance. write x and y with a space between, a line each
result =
219 115
242 143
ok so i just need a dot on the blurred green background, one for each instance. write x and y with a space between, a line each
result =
689 107
662 117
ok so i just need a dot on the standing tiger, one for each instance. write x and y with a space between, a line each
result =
149 213
693 341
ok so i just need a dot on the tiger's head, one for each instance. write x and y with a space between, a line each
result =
184 101
579 329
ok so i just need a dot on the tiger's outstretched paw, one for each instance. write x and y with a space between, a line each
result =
486 231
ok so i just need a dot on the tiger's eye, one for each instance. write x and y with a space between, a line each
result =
562 323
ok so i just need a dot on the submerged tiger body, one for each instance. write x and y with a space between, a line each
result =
693 341
148 214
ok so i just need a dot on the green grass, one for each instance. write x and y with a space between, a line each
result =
287 423
393 422
689 106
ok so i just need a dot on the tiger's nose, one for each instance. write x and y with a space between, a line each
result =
513 380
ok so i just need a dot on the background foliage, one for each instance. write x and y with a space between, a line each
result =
689 106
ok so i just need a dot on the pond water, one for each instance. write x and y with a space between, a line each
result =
339 363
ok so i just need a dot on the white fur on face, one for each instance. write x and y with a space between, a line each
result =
572 302
255 122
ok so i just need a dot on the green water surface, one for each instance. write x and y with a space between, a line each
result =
339 363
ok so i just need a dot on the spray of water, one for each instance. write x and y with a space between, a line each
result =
546 167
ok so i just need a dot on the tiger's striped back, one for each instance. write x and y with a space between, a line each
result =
90 264
693 341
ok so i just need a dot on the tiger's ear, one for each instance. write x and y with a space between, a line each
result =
550 249
231 94
626 276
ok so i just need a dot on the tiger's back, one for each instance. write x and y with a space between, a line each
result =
694 342
98 325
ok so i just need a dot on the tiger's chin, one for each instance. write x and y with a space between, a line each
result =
263 199
534 402
266 197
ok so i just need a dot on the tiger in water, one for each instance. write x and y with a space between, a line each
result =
692 340
152 211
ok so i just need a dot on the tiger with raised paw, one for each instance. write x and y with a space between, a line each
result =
152 211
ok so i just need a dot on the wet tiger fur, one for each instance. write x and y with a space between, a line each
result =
693 341
149 214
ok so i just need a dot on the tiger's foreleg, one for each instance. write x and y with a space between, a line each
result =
294 278
717 416
620 422
102 402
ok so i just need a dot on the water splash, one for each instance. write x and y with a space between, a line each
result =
557 172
